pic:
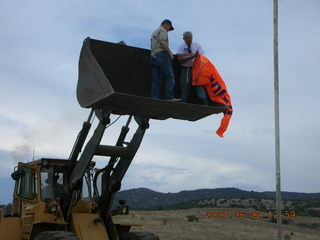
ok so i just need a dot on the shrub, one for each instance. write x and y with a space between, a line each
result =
284 221
192 218
287 237
313 212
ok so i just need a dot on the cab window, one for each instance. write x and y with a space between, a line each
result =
26 183
86 187
51 183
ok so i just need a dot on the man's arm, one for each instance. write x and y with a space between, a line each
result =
164 44
186 57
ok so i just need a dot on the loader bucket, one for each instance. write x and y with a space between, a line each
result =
116 78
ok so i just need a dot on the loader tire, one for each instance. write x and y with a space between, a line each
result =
56 235
139 236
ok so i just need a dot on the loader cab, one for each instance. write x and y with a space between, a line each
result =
37 180
38 188
43 180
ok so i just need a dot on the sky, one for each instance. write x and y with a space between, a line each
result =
40 42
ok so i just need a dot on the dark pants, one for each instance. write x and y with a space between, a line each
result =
185 83
161 67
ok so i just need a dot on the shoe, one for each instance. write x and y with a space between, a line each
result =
174 100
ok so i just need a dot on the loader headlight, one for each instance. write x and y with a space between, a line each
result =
53 209
45 162
125 210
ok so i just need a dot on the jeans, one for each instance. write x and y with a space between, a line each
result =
161 67
185 83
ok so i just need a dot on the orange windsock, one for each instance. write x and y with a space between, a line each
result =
204 73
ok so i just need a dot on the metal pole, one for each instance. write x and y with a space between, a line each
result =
276 119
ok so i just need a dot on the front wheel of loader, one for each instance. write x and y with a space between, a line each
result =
56 235
139 236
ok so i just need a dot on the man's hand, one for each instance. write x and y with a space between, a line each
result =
164 44
171 55
196 54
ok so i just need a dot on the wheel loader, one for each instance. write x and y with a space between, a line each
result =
69 199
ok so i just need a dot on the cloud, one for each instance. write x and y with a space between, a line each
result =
8 162
188 172
7 186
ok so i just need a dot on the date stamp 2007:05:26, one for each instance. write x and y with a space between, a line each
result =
252 214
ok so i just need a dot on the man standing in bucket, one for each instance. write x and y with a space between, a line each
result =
161 57
186 55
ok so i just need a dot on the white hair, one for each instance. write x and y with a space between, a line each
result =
186 33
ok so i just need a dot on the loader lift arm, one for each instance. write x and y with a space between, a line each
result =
121 156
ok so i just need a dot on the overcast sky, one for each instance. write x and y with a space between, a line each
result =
40 42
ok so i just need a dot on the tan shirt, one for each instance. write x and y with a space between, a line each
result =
156 37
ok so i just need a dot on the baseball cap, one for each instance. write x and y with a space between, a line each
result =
167 21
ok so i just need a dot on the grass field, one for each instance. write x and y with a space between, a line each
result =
231 224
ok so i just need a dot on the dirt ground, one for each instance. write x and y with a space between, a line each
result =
217 224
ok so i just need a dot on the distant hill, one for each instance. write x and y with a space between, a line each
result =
294 195
144 198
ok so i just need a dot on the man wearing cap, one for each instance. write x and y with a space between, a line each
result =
186 54
161 57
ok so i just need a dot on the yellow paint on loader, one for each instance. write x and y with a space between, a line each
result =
10 228
87 228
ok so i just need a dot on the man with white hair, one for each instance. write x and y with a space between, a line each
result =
186 55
